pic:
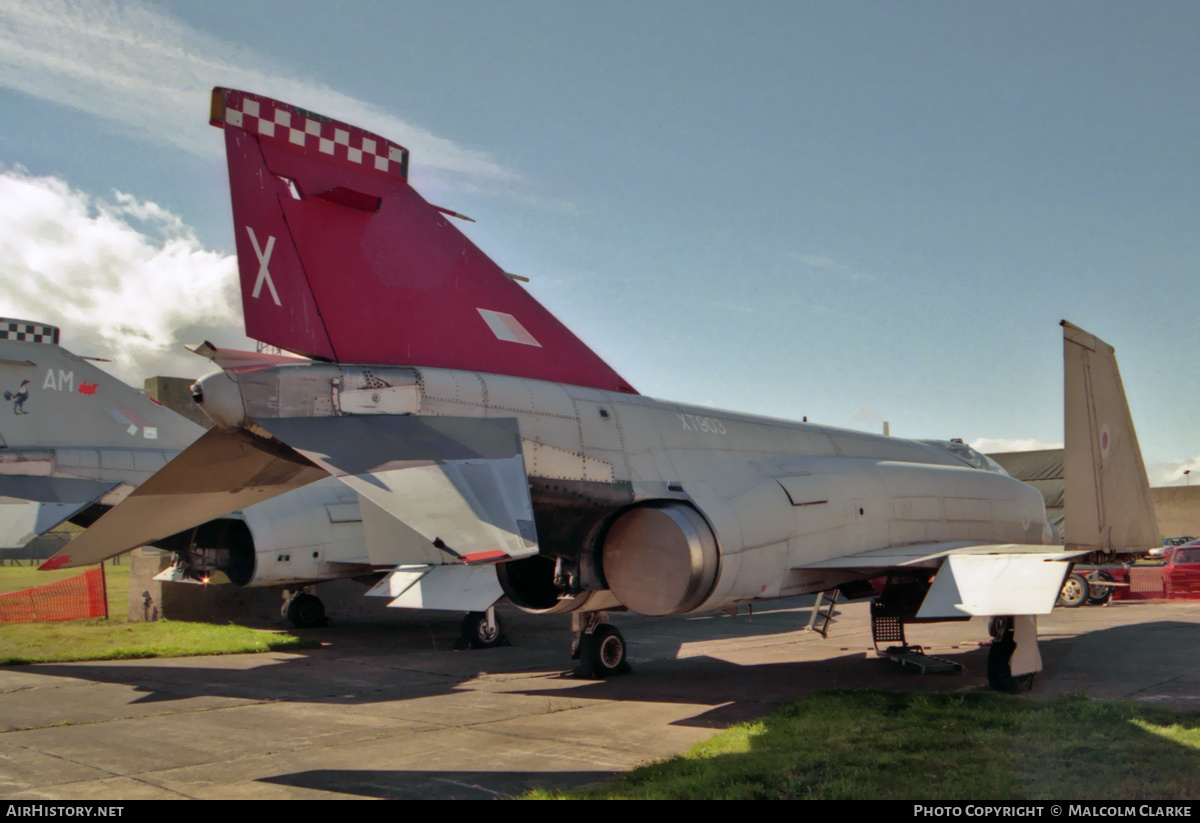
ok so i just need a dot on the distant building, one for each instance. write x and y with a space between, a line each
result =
1177 507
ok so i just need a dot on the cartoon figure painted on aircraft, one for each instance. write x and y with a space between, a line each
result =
19 397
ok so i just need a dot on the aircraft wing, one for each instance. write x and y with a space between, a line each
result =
459 482
437 489
918 554
974 579
68 491
36 504
219 473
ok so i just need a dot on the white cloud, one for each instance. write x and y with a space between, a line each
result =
993 445
1172 473
152 75
125 279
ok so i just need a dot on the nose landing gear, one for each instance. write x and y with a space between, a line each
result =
1013 658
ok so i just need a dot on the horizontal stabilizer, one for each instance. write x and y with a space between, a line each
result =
21 520
50 515
218 474
459 482
454 588
998 584
242 361
64 490
39 503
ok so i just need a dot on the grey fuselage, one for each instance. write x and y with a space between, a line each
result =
777 495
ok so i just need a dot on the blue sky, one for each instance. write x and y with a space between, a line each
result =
851 211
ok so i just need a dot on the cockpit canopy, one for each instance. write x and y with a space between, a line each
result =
968 455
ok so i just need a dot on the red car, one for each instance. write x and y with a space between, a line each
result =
1181 574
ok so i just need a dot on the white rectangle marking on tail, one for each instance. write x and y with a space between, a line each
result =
507 328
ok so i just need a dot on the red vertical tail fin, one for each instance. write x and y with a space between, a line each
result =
341 259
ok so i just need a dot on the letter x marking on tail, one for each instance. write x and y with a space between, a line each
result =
264 260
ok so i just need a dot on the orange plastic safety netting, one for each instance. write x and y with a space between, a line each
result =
75 598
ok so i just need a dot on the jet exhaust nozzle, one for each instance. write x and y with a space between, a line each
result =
219 397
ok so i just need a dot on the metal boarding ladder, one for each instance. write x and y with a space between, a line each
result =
822 613
889 628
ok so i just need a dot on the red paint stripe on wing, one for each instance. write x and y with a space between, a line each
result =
483 557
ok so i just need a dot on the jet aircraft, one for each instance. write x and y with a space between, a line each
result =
77 441
479 431
81 441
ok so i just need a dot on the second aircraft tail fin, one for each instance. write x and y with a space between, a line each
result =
1107 495
54 399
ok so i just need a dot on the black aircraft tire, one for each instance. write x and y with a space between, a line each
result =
999 664
476 632
1103 593
1074 591
603 653
306 611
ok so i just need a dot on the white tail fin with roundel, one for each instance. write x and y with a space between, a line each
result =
1107 497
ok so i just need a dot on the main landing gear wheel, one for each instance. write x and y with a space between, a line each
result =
999 664
1105 593
602 653
305 611
478 633
1074 591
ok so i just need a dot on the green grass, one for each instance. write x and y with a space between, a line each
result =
963 746
102 639
116 639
